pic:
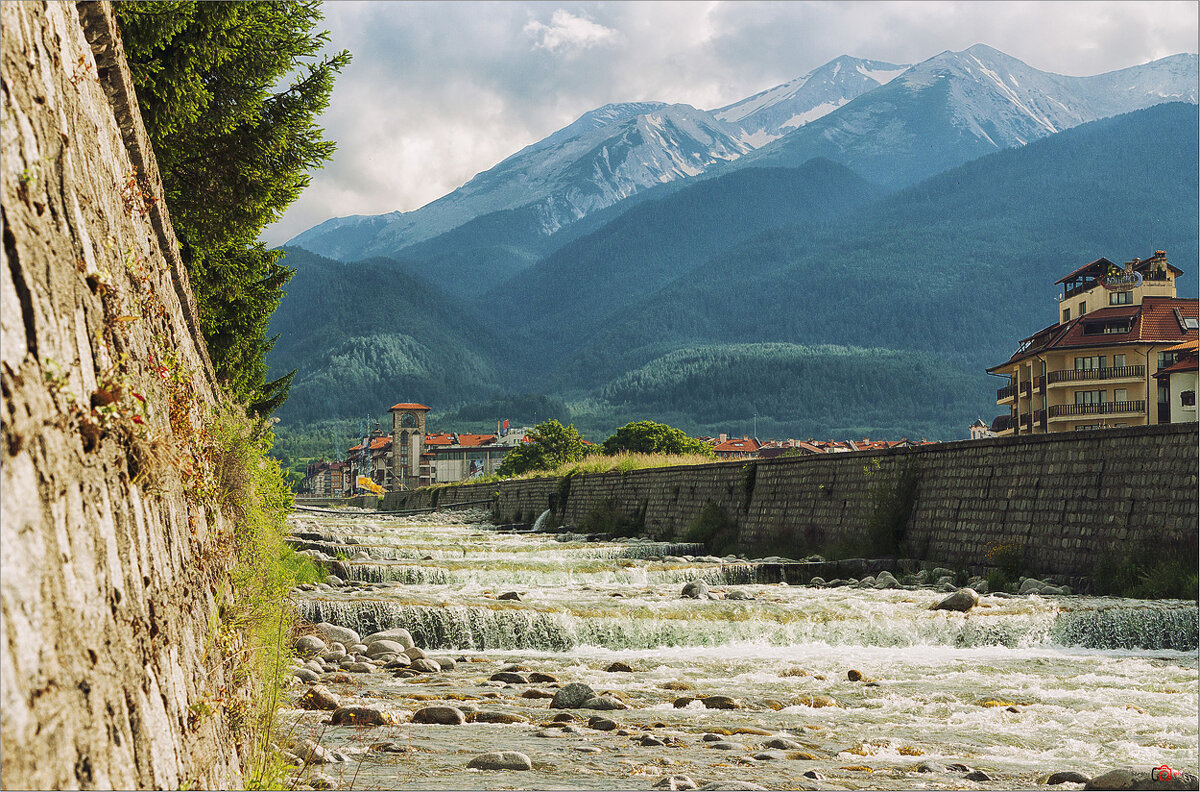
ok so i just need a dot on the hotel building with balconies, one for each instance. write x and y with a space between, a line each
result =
1096 366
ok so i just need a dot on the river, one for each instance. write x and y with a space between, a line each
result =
1013 690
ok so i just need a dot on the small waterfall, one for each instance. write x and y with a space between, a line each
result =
661 549
397 573
1150 627
540 522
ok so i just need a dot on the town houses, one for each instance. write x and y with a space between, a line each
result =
1121 353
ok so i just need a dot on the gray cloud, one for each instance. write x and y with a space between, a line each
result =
438 92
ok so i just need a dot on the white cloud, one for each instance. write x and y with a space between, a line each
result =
568 32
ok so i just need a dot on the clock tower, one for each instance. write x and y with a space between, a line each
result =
408 443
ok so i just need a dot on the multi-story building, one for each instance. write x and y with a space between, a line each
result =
457 457
326 479
1096 366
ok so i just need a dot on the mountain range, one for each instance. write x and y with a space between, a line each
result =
841 223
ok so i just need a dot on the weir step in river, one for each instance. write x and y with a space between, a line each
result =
757 683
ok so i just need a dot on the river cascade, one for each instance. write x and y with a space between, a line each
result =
748 683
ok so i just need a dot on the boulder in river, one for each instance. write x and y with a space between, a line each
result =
360 716
695 589
495 717
397 634
572 696
816 700
501 760
1163 778
306 675
1065 777
539 677
444 663
415 653
309 645
511 677
726 745
886 580
384 646
510 595
332 632
426 665
676 782
783 744
601 724
313 753
962 600
618 667
604 703
319 697
443 715
720 702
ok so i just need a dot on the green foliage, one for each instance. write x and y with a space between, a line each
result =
551 444
892 498
1149 573
252 491
606 518
714 529
522 409
230 93
648 437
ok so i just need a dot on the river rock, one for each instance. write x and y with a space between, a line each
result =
814 775
783 743
650 741
602 724
962 600
319 697
318 780
854 676
415 653
360 716
730 786
682 701
738 594
510 595
445 663
495 717
306 675
332 632
443 715
384 646
977 775
867 582
886 580
309 645
357 649
1065 777
426 665
619 667
1030 586
399 661
816 580
726 745
816 701
931 767
676 782
501 760
695 589
565 717
397 634
359 668
603 703
676 686
537 693
510 677
334 655
720 702
768 756
312 753
572 696
1049 590
1128 778
315 666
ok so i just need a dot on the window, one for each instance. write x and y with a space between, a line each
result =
1118 361
1164 394
1066 315
1120 298
1167 358
1187 398
1084 427
1082 308
1120 394
1088 363
1089 397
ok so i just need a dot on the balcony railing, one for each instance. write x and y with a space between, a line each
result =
1006 392
1024 387
1039 383
1094 374
1039 418
1104 408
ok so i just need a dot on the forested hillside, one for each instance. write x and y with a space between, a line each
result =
363 336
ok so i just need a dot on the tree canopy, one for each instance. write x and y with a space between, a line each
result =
551 444
230 94
648 437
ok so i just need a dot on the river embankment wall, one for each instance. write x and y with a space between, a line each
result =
113 569
1060 504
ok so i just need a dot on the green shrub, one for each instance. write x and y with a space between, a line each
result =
714 529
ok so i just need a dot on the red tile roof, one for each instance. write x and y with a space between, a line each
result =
408 406
376 443
738 445
1186 364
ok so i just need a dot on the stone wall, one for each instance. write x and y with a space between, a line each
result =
112 571
1060 502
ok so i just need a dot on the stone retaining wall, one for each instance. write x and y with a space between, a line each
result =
112 574
1058 503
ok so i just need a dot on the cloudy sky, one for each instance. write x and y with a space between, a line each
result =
438 92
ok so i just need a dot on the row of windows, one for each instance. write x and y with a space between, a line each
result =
1099 396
